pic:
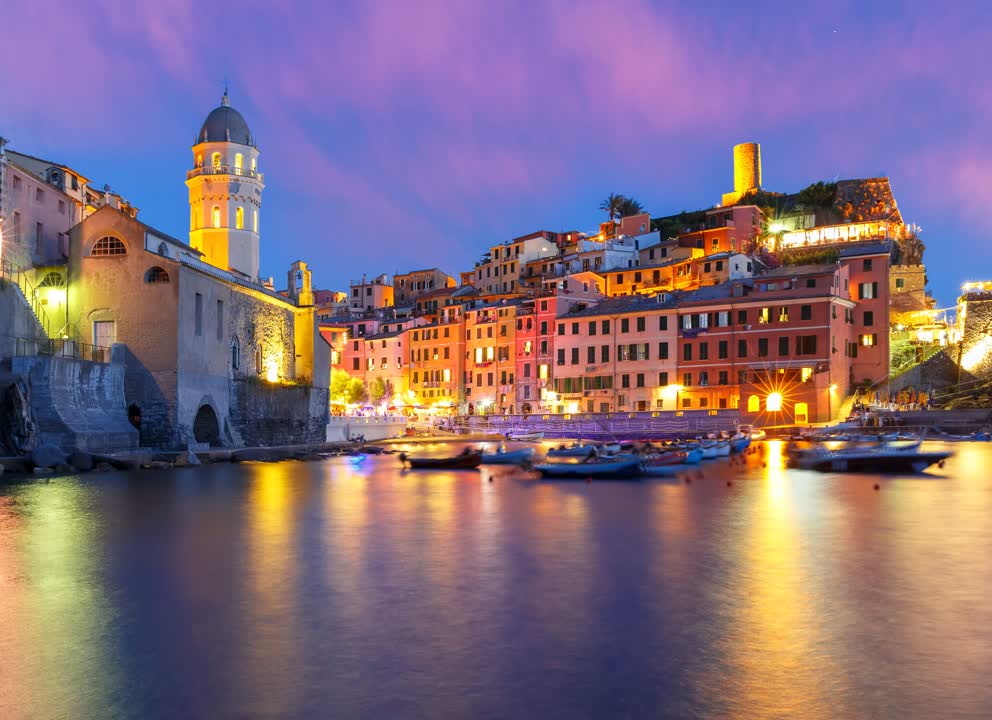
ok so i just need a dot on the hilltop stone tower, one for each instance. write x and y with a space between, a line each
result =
225 192
747 171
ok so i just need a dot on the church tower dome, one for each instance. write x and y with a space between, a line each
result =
225 192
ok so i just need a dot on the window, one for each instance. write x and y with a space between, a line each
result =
663 351
742 348
762 347
220 319
641 324
869 318
866 265
625 381
604 353
723 377
592 327
605 327
723 350
783 346
254 221
215 160
239 163
561 356
215 216
156 275
869 340
104 333
620 279
39 195
704 378
236 354
686 402
900 283
108 246
640 380
806 312
742 317
239 218
39 235
625 325
575 356
704 351
354 364
62 207
663 379
687 352
806 345
811 282
763 316
783 314
591 354
753 404
868 291
198 313
663 323
561 328
686 379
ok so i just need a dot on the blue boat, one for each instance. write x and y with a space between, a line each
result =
511 457
740 444
616 468
693 456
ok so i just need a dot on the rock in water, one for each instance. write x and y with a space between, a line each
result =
47 456
81 461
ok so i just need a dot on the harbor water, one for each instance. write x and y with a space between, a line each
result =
352 589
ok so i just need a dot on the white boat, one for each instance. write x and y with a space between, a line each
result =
510 457
526 437
572 451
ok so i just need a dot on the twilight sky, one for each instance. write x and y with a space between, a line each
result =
398 135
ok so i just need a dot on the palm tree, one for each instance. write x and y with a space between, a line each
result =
611 206
629 206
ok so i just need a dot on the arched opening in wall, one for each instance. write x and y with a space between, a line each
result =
254 165
239 218
199 160
215 216
108 245
156 275
52 280
525 409
258 360
753 404
254 221
206 429
239 163
134 415
235 354
163 249
215 160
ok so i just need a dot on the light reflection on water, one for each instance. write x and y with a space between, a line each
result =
357 590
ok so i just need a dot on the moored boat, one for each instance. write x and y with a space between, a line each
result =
739 443
612 468
662 459
883 459
526 437
572 451
509 457
467 460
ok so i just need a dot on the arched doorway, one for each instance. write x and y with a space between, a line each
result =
206 429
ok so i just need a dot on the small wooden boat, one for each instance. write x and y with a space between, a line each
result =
613 468
467 460
572 451
661 459
693 456
510 457
739 444
526 437
868 460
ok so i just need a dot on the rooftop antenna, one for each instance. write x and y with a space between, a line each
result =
225 100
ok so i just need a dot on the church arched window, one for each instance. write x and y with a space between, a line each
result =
108 245
163 249
254 164
239 218
199 159
215 216
239 163
215 160
156 275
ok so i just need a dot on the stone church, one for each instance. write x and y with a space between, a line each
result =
212 354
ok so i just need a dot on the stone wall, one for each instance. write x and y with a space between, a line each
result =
340 429
605 426
265 414
912 295
79 404
17 320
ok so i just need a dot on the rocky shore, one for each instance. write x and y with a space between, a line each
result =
50 461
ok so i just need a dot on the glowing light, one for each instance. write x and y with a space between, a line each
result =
833 387
773 403
776 228
977 354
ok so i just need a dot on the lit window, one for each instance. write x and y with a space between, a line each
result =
215 216
253 165
753 404
215 160
763 316
108 246
805 374
239 162
199 160
254 220
774 402
867 340
239 218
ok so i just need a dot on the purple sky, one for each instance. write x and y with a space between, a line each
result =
397 135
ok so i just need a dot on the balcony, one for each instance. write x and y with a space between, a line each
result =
225 170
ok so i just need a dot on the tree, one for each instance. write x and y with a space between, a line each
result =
356 392
376 390
629 206
340 382
611 206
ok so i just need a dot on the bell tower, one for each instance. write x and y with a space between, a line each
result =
225 192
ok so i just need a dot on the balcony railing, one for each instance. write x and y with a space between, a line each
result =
59 347
224 170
